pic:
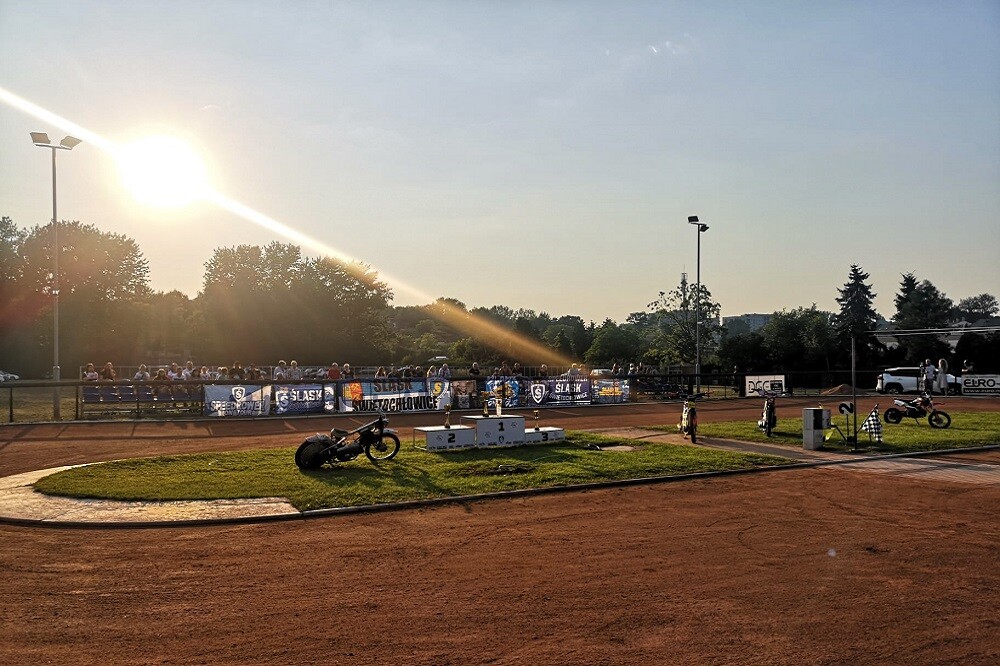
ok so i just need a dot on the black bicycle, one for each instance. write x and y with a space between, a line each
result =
373 439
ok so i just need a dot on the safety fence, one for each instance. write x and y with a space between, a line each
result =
32 401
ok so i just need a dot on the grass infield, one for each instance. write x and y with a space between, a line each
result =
967 429
413 474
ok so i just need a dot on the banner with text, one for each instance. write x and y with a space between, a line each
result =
980 384
240 400
767 383
605 391
507 389
298 399
562 391
395 395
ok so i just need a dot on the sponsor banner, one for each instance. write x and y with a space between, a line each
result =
391 395
298 399
773 383
562 391
980 384
240 400
464 393
604 391
507 389
329 398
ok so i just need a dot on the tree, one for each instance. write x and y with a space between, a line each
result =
613 344
800 339
921 306
678 313
102 276
857 318
974 308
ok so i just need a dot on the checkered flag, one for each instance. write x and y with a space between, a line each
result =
873 426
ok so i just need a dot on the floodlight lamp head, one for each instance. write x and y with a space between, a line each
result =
702 227
693 219
40 138
70 142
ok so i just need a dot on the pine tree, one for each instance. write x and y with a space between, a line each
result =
857 318
922 306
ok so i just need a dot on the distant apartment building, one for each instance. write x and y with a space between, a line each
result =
745 323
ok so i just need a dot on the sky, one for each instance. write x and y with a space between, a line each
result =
539 155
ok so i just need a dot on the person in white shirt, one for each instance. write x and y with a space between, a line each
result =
294 371
142 374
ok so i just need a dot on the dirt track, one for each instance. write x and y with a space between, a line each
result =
809 566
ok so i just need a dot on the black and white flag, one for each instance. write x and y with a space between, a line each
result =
873 426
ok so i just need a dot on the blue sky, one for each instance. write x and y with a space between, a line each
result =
543 155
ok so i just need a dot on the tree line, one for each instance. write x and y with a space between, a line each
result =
260 304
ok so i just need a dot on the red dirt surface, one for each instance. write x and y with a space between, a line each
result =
816 566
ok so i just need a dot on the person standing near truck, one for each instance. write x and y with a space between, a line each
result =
929 372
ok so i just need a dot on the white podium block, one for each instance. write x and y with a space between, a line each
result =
440 438
546 434
497 430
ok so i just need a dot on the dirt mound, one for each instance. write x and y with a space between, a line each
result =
841 389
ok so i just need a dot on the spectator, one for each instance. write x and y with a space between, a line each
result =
334 371
505 369
942 376
474 370
445 371
90 373
253 373
162 379
142 374
496 373
393 372
294 372
237 372
616 370
432 371
222 372
280 371
381 373
543 371
929 372
967 367
188 370
205 373
108 373
573 371
517 370
346 372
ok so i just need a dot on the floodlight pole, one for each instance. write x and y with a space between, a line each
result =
41 140
693 219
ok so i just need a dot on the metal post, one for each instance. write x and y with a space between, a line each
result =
697 320
55 295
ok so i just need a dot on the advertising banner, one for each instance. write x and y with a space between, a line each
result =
390 395
298 399
240 400
562 391
605 391
464 393
772 383
980 384
507 389
329 398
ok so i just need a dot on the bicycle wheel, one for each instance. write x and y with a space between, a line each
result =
383 449
693 426
939 419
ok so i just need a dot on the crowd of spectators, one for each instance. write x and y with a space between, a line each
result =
291 371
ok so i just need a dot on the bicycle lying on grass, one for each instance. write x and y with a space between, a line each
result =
373 438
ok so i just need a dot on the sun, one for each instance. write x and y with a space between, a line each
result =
163 172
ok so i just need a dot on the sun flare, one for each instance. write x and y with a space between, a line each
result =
163 172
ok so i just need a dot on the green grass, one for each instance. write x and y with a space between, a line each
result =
967 429
413 474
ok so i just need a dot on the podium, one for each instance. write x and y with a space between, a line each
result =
497 430
439 438
543 435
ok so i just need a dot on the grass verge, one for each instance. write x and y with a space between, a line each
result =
413 474
967 429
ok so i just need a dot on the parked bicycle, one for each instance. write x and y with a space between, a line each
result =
373 439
